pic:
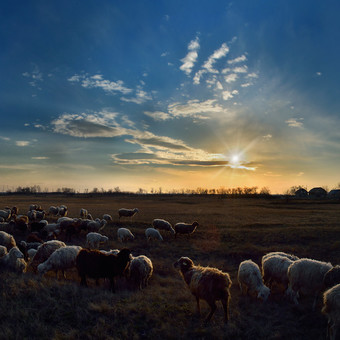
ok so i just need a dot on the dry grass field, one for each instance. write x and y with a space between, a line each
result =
230 231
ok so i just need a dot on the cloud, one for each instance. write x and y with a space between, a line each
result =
226 95
267 137
230 78
158 115
218 54
40 158
5 138
141 97
295 122
195 108
22 143
35 77
101 124
97 81
238 60
190 59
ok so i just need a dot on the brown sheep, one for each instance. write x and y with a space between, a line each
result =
209 284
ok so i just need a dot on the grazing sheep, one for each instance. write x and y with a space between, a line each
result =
249 277
61 259
107 217
153 234
63 210
185 228
34 207
7 240
32 215
124 234
306 276
280 253
3 251
96 265
54 211
140 271
123 212
5 214
83 213
96 225
13 260
274 268
209 284
332 277
331 307
93 240
163 225
44 251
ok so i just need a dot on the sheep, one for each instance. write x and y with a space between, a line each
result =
61 259
83 213
54 211
13 260
124 234
306 276
107 217
163 225
95 264
331 307
44 251
31 253
5 214
34 207
280 253
209 284
140 271
93 240
40 214
7 240
153 234
32 215
185 228
63 210
249 277
96 225
274 268
3 251
123 212
332 277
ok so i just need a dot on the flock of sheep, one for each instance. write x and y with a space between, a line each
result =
298 276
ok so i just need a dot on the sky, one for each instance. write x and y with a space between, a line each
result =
169 94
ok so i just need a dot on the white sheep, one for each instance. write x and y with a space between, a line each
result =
185 228
140 271
158 223
274 268
123 212
331 307
153 234
124 234
249 277
44 251
206 283
93 240
7 240
107 217
306 276
13 260
96 225
280 253
61 259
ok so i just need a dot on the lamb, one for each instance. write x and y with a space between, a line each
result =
7 240
93 240
124 234
209 284
185 228
163 225
249 277
61 259
331 307
332 277
83 213
44 251
153 234
95 264
123 212
306 276
274 268
13 260
140 271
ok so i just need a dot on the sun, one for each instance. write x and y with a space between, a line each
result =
235 159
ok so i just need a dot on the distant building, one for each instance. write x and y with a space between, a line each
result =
335 193
317 193
301 193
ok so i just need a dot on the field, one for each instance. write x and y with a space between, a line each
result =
230 231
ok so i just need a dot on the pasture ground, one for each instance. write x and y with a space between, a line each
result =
230 231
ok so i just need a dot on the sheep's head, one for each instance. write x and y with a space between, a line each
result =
195 224
184 264
15 252
263 293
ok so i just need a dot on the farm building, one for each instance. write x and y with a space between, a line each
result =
301 193
317 193
335 193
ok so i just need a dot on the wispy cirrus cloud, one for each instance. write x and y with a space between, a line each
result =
158 115
35 77
190 59
295 122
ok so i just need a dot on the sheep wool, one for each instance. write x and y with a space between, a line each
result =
185 228
140 271
124 234
163 225
7 240
153 234
206 283
331 307
93 240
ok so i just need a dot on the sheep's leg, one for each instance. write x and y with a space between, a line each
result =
225 304
213 308
83 281
240 284
198 305
112 284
